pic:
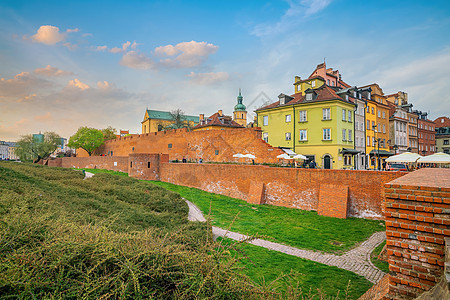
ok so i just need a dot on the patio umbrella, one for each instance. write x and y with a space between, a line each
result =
437 158
249 156
238 155
284 156
299 156
406 157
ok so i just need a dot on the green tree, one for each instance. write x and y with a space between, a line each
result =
37 147
178 119
86 138
109 133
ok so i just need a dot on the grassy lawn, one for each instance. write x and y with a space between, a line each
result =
109 237
311 278
294 227
382 265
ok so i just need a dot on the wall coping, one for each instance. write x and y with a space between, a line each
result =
426 177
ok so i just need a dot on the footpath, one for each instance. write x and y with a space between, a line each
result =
356 260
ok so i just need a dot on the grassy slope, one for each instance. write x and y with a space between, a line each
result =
382 265
295 227
263 265
106 237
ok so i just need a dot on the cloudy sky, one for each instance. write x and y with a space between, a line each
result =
66 64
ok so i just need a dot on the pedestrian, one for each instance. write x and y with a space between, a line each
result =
312 164
184 159
200 160
384 165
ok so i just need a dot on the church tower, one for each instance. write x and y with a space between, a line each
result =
240 112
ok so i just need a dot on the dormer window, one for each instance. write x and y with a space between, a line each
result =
346 97
309 97
313 83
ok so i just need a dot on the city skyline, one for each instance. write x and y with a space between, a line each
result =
67 65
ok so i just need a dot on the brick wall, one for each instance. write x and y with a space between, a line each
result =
146 166
211 145
114 163
296 188
417 221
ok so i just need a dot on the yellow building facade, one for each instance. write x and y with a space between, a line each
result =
155 120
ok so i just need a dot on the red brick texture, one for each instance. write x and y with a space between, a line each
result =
146 166
333 201
417 220
289 187
256 193
210 145
114 163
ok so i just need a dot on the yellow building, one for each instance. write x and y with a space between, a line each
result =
315 122
240 112
155 120
216 122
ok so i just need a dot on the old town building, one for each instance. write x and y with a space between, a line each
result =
442 129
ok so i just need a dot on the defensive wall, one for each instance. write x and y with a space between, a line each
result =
337 193
210 145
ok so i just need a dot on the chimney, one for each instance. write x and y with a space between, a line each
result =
220 113
297 79
202 117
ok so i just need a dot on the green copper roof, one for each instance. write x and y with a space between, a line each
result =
240 106
165 115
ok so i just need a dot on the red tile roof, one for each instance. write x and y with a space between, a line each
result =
217 120
324 93
442 122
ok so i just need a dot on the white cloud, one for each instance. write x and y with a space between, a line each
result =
103 85
51 72
28 98
72 30
123 49
208 78
76 83
189 54
101 48
21 85
135 60
297 11
44 118
48 35
70 46
87 34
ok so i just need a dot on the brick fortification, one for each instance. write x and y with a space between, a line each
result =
210 145
417 225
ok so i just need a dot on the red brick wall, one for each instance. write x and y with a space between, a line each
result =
97 162
194 145
417 220
333 201
146 166
297 188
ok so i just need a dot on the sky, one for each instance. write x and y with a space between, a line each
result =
67 64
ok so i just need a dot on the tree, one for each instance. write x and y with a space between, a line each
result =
37 147
178 120
109 133
87 139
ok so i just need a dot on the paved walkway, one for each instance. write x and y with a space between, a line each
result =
88 175
356 260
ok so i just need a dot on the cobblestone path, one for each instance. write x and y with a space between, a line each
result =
356 260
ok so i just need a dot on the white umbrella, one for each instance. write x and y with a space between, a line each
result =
284 156
238 155
437 158
299 156
249 156
406 157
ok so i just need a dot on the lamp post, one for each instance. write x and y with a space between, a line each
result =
374 127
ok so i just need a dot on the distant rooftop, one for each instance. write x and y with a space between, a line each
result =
165 115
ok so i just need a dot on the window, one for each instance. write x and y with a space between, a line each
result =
350 135
131 164
266 137
384 128
349 115
344 115
357 141
328 81
368 125
332 83
309 97
368 109
313 83
373 125
169 146
346 97
303 117
368 140
446 142
266 120
288 136
303 135
347 160
148 165
357 125
344 134
379 127
216 152
288 118
373 111
379 114
326 113
327 134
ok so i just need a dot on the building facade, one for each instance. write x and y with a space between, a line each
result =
217 121
426 133
398 128
413 139
240 111
155 120
442 129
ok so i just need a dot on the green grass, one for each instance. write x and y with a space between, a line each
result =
103 171
294 227
382 265
267 268
108 237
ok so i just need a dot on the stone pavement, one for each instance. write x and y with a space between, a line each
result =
356 260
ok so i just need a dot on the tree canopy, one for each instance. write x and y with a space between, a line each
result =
178 120
109 133
87 139
37 147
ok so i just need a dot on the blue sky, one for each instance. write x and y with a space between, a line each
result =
66 64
